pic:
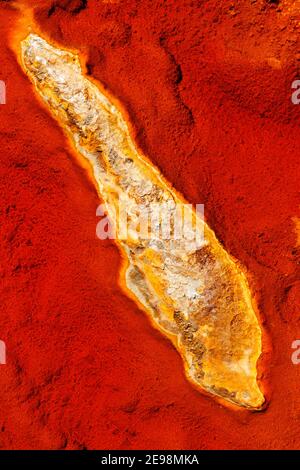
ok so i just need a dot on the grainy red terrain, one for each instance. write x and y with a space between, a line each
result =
207 85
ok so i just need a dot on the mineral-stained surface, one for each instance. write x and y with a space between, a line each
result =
207 86
191 288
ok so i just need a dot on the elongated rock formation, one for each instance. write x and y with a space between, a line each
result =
191 288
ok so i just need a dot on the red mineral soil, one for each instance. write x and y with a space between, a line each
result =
207 87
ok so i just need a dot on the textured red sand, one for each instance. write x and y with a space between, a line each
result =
207 86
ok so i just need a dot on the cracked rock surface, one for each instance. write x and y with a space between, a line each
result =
193 291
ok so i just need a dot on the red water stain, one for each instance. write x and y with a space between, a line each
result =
207 88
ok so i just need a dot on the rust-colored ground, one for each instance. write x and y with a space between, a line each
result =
207 85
